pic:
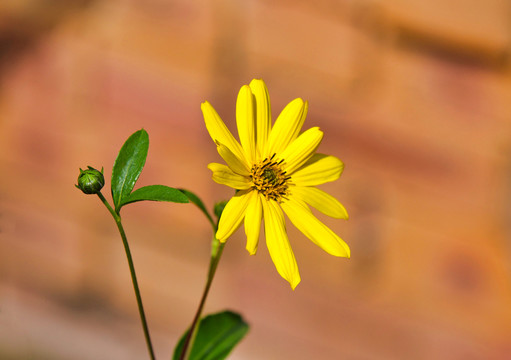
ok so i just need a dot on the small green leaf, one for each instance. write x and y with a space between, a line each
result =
128 166
156 193
198 202
218 334
218 209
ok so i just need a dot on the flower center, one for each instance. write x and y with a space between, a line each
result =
269 179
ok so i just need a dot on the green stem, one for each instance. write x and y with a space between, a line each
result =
117 219
216 253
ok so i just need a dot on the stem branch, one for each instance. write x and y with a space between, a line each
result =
117 219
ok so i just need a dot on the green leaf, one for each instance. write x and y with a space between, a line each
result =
218 209
198 202
128 166
218 334
156 193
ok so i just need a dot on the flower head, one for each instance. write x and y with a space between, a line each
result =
274 168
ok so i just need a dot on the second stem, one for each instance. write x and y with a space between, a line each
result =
216 253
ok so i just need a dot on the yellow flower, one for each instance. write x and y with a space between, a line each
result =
274 168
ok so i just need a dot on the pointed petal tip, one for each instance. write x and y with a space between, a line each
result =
222 238
294 283
251 251
345 252
246 91
341 213
348 252
316 128
255 81
299 100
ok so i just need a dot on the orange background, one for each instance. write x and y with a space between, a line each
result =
413 96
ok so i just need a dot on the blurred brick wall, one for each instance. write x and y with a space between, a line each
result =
412 96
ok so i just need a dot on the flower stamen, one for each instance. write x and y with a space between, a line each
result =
269 179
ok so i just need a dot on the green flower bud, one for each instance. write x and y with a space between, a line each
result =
91 181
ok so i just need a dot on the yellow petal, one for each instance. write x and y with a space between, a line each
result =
320 200
237 165
253 222
287 126
301 149
319 169
233 215
263 113
219 132
222 174
301 217
278 243
245 120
